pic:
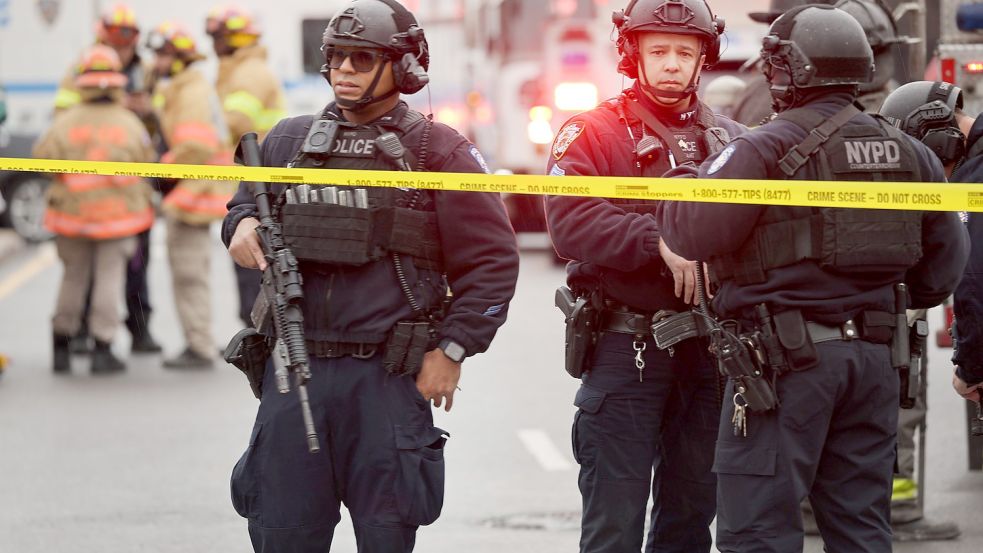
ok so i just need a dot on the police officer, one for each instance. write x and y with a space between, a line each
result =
882 33
641 409
382 456
956 139
826 303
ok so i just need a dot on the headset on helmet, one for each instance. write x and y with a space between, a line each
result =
814 46
692 17
926 111
384 25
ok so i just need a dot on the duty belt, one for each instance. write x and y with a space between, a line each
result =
850 330
625 322
334 350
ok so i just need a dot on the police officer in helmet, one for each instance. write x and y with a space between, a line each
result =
640 409
384 336
932 112
820 293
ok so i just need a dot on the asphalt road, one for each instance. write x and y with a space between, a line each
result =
141 461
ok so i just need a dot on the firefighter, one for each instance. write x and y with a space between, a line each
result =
117 28
639 407
194 127
822 307
371 389
251 96
95 218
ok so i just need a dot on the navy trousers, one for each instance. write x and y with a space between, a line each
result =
633 439
832 440
380 455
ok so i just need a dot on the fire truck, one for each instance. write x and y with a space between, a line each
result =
960 50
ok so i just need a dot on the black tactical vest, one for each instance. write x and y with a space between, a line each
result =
840 240
352 225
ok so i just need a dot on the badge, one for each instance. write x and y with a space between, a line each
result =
479 158
721 160
565 138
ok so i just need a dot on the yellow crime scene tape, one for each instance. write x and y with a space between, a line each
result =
870 195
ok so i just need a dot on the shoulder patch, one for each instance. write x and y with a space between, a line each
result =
473 150
566 137
721 160
557 171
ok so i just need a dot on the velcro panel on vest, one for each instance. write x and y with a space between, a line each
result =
416 233
868 238
328 233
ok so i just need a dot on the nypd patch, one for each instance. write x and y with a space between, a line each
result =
566 137
479 158
721 160
557 171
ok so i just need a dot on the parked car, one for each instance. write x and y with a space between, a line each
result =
22 195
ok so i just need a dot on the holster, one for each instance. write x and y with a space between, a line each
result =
407 345
911 376
581 329
793 336
249 351
741 360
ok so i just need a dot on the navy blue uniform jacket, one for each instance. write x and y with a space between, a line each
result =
361 304
702 230
968 304
607 243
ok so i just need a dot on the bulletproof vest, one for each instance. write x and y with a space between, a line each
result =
839 240
691 144
353 225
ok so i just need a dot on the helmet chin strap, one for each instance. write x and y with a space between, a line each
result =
369 97
676 96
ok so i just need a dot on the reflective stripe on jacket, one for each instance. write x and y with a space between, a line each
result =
251 94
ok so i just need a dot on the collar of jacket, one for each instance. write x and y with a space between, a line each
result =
671 118
392 118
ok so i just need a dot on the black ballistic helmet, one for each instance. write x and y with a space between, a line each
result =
814 46
681 17
926 111
381 25
882 33
776 9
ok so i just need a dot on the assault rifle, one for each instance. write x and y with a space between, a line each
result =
283 294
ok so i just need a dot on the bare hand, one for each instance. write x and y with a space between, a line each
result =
245 248
971 393
683 273
438 378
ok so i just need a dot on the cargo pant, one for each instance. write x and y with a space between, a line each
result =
831 440
189 253
100 264
656 437
380 455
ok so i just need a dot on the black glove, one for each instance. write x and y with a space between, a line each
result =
688 170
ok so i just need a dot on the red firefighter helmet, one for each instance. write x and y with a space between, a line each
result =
235 23
173 38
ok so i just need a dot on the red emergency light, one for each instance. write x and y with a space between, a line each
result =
974 67
948 66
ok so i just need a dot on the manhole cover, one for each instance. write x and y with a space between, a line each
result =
551 522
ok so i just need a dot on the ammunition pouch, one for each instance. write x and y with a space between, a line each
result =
249 351
408 343
335 234
581 318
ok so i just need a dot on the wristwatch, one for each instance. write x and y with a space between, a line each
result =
454 351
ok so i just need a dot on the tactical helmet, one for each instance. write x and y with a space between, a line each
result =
926 110
882 33
118 27
814 46
383 25
776 9
100 67
233 22
681 17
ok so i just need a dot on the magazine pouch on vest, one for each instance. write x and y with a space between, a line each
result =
351 225
839 240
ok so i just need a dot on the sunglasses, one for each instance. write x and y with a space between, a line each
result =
363 61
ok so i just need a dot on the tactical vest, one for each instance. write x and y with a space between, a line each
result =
694 144
840 240
383 221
